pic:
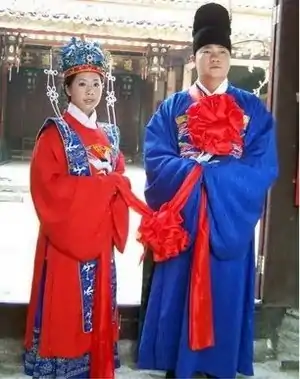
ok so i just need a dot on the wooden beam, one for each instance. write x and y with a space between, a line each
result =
47 38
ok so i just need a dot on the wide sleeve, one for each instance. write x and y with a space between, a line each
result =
165 169
237 188
72 210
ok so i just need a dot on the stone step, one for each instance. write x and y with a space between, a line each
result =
11 350
290 323
288 339
11 366
270 370
14 188
124 372
11 197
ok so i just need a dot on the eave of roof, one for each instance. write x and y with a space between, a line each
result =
102 18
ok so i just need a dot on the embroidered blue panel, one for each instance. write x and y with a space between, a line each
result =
186 148
113 134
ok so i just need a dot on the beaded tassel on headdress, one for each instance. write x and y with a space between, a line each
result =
110 104
52 93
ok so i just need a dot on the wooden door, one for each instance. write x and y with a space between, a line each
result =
27 108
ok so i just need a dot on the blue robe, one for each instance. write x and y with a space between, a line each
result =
236 190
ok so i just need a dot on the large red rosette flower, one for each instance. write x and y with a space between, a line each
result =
215 124
163 233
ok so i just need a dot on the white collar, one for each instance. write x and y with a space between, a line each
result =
221 89
89 122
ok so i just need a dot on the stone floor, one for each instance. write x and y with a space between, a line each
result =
268 370
11 351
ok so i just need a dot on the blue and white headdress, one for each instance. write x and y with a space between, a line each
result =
83 56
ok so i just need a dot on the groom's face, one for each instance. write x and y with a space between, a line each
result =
213 61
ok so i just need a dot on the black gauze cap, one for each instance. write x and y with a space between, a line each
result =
211 26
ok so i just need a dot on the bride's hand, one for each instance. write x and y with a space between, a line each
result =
104 168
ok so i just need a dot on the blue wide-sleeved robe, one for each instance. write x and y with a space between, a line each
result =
236 190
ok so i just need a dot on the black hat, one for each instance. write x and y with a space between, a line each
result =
211 26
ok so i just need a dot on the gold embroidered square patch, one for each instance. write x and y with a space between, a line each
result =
181 119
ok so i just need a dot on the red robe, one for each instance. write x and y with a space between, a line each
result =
76 225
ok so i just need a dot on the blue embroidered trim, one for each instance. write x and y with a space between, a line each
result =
76 155
186 148
113 134
87 273
39 367
45 368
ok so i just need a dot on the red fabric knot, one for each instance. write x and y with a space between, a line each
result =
163 233
215 124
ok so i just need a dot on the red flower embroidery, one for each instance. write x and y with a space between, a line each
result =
215 124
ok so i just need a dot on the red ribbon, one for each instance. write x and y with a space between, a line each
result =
201 332
154 228
163 233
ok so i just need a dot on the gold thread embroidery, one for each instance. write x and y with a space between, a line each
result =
181 119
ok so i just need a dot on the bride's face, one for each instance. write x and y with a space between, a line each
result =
85 91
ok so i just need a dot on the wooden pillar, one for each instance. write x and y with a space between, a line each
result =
280 244
171 82
147 94
3 100
158 94
187 76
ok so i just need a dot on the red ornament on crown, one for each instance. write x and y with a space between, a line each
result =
215 124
